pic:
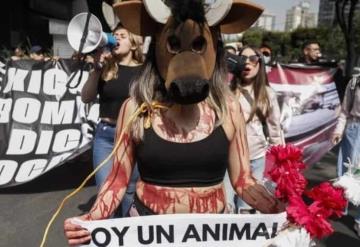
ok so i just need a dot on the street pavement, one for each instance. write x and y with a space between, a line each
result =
26 209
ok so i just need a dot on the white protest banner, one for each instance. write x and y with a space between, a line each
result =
195 230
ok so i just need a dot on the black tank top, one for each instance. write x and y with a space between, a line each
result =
114 92
196 164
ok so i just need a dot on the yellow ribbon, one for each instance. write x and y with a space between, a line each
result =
144 108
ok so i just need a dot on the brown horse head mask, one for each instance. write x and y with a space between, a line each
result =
186 34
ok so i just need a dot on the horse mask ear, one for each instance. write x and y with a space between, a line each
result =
134 16
240 17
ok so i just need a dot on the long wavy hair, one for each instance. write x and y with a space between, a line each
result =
112 67
149 87
261 98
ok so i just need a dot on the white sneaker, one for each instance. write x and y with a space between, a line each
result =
357 228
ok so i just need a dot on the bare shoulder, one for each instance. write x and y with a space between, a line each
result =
127 109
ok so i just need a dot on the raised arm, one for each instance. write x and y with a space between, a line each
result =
90 88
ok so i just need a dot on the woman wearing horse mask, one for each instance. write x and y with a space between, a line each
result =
181 125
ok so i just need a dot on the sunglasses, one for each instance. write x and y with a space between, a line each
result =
253 59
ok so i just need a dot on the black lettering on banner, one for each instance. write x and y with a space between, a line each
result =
224 231
100 230
214 234
191 232
274 229
239 234
169 235
121 234
260 231
141 237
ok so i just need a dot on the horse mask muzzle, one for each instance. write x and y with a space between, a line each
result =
187 62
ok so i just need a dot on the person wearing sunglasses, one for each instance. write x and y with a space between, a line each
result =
261 111
266 52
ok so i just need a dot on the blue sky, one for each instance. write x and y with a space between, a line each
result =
279 8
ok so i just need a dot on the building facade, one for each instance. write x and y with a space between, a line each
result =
266 22
300 16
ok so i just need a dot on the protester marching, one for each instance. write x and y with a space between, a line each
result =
180 123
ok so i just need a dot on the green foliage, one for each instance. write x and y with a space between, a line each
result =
287 46
253 37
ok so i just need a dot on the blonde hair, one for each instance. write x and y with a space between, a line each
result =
111 68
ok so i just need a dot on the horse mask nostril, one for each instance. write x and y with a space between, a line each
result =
173 44
188 91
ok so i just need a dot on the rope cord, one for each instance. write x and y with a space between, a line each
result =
144 108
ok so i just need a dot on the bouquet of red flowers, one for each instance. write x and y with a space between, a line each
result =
325 200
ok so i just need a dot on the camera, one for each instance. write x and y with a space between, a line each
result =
235 64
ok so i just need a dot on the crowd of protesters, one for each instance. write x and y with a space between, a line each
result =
112 74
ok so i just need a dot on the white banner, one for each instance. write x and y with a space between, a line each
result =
195 230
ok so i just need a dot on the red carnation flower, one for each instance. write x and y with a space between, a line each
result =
311 218
285 153
331 199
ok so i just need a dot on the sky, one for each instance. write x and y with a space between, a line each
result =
279 8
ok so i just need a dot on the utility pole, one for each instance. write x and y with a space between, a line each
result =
346 22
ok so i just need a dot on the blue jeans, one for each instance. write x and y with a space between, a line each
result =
234 202
257 169
102 147
350 149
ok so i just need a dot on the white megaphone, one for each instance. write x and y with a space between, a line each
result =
95 38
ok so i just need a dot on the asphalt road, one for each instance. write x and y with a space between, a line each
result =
26 209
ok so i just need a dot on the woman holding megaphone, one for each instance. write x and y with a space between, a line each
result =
111 77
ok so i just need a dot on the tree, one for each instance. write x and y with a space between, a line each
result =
253 37
345 11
